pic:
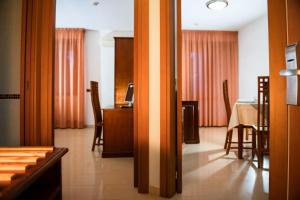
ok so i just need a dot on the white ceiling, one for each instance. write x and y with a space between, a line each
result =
195 14
108 15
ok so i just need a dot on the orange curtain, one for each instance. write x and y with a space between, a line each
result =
209 57
69 78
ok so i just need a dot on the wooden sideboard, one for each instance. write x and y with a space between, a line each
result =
123 67
190 122
31 172
118 132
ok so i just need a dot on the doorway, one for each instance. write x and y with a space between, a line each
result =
101 42
202 78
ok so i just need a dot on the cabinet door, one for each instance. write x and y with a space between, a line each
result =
123 67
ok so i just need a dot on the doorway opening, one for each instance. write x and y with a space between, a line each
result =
229 45
94 42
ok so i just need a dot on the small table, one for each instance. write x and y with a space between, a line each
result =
244 114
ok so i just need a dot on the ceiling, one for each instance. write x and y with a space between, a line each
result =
107 15
196 16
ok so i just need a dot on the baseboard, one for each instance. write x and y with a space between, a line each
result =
89 126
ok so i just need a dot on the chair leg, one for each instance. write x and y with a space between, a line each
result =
260 150
247 133
254 149
226 140
99 134
229 133
95 137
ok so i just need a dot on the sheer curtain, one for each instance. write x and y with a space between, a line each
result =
209 57
69 78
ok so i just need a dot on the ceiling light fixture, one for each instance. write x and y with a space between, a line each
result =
217 4
96 3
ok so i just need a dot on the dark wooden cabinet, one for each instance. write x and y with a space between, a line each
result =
123 67
190 121
118 132
41 179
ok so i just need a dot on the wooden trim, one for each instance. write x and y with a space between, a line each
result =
167 100
141 104
179 99
278 108
22 77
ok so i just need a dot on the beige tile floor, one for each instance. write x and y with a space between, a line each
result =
208 174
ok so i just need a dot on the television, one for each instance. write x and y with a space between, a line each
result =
129 98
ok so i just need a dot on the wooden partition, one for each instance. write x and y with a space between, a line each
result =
37 65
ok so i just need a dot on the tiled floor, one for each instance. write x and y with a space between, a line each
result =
207 172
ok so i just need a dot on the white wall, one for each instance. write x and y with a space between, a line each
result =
10 51
107 20
253 56
92 66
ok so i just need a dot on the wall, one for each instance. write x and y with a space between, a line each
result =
154 96
10 56
253 56
103 22
92 73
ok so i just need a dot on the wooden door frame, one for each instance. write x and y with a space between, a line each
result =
141 102
168 127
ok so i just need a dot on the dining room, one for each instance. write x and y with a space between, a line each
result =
225 92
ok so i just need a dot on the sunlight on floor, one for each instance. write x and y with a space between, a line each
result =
207 172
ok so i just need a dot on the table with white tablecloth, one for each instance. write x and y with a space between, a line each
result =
244 114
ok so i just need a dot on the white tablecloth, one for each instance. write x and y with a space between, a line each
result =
243 113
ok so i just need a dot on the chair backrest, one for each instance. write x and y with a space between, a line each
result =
226 100
96 102
263 111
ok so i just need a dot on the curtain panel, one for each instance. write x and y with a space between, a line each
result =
69 78
209 58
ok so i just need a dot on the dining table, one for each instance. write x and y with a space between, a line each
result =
243 115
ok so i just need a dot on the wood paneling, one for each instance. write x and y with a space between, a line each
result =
38 32
179 98
123 67
167 100
118 132
293 35
141 96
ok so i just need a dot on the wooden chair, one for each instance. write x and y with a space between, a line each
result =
228 140
97 114
263 118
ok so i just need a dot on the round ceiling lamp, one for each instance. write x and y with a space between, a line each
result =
217 4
